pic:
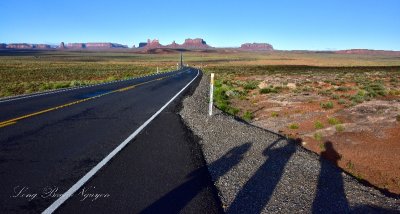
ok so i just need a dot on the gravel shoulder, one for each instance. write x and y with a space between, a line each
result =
258 171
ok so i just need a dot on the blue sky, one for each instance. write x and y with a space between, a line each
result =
286 24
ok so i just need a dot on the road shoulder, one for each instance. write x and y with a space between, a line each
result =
256 170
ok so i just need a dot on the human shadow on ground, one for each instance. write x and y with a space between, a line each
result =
178 198
330 197
258 190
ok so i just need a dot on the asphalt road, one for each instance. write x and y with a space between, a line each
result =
49 142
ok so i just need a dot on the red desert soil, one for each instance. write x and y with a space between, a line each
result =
367 139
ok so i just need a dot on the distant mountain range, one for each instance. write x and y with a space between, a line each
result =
189 44
154 46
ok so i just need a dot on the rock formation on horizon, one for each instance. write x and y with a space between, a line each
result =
41 46
367 51
195 44
75 46
94 45
62 45
257 47
26 46
152 44
19 46
188 44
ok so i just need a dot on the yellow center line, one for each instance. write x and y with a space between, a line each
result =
14 120
7 124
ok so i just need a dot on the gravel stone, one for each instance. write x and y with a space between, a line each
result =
259 171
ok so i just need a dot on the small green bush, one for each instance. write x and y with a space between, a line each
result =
342 101
318 125
250 85
339 128
375 89
343 88
268 90
274 114
325 92
233 111
335 96
248 116
318 136
357 98
350 165
334 121
327 105
322 146
293 126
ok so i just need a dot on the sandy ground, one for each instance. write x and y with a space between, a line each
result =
367 136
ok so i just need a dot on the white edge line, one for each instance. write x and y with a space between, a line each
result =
56 91
102 163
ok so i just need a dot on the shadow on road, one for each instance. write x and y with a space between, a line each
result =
258 190
178 198
330 195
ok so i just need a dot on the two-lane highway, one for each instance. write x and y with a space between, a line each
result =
50 142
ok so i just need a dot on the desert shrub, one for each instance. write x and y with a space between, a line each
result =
268 90
318 125
394 79
250 85
357 98
248 116
339 128
350 165
274 114
341 101
375 89
325 92
293 126
307 89
343 88
335 96
322 146
221 98
361 93
398 118
394 92
327 105
318 136
334 121
347 96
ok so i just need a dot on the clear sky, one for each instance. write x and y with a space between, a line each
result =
286 24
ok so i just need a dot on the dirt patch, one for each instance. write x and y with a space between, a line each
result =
355 113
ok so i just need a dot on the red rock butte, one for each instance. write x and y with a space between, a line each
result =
92 45
188 44
257 46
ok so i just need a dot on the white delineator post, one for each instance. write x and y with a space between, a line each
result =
211 95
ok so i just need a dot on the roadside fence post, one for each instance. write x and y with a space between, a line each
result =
211 95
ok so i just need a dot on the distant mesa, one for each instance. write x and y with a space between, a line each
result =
41 46
367 51
195 44
25 46
94 45
75 46
257 47
151 44
188 44
20 46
